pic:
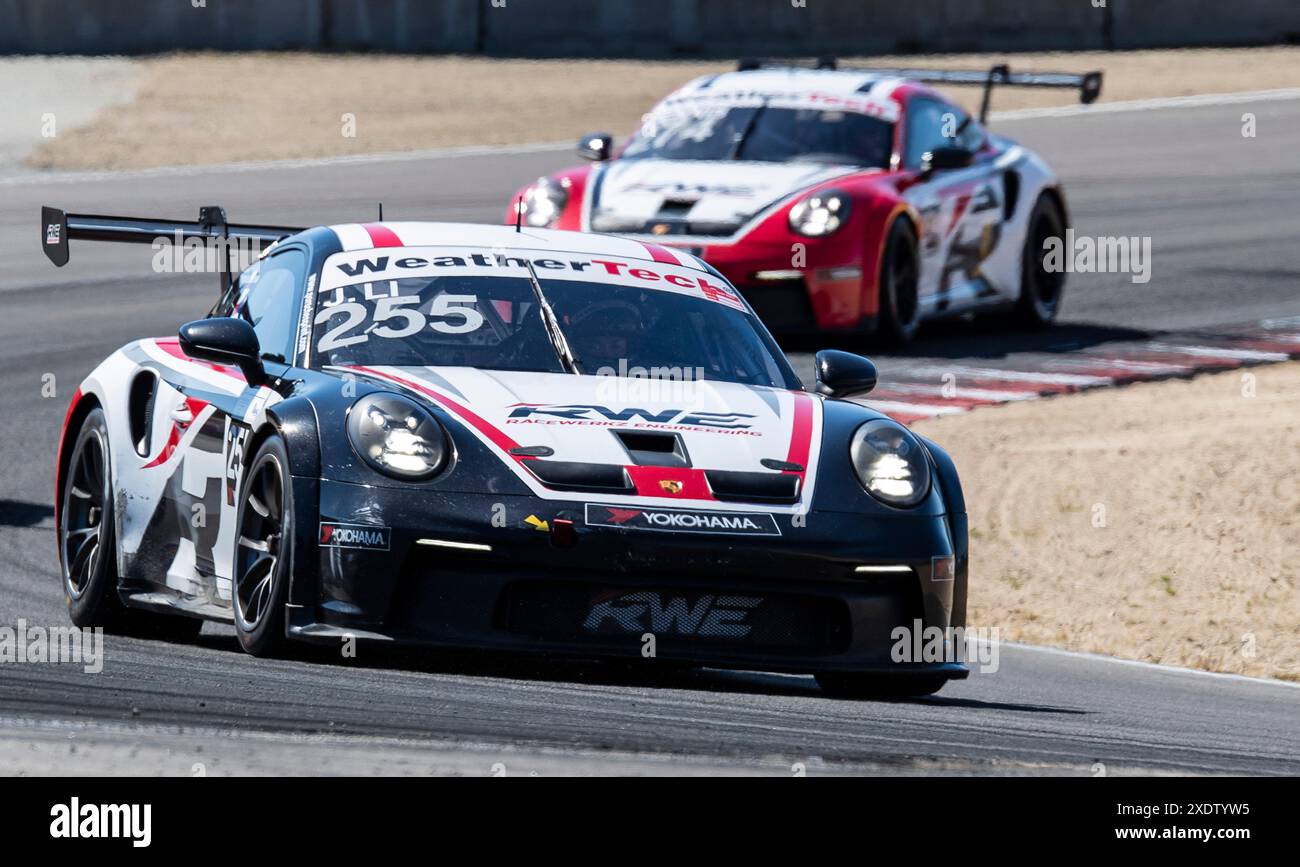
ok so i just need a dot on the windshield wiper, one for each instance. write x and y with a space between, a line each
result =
552 325
747 131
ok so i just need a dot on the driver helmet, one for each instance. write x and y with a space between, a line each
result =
605 333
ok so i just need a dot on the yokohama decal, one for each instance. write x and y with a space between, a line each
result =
368 536
682 520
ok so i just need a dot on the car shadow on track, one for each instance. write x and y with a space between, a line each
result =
981 338
630 674
19 513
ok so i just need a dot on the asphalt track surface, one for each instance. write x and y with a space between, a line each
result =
1221 211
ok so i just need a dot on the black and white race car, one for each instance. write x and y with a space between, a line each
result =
476 437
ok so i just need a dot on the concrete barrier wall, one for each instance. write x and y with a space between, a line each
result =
777 27
636 28
142 26
1169 23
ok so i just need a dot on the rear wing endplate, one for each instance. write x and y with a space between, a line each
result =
58 228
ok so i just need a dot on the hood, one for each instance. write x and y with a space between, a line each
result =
658 431
695 197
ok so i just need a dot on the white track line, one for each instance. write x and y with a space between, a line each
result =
959 393
1218 352
1197 101
994 373
37 177
1151 367
1137 663
894 407
1280 338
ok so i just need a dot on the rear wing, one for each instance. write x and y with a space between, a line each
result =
58 228
1088 83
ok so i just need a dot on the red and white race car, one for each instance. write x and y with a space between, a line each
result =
851 200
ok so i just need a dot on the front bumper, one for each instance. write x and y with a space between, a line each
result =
810 290
476 572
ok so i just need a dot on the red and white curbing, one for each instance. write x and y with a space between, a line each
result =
931 389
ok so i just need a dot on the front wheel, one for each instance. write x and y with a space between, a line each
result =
263 551
900 280
851 685
1041 286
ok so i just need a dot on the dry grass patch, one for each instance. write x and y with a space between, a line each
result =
211 108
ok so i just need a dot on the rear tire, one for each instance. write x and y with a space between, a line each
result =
841 685
263 551
1040 289
900 271
88 545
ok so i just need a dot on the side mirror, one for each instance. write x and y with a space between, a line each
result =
840 374
596 146
946 158
225 340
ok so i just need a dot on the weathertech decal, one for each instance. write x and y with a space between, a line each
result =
368 536
664 273
682 520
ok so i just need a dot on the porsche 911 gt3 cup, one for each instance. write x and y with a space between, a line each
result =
467 436
837 200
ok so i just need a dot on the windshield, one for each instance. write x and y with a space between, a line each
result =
494 322
764 133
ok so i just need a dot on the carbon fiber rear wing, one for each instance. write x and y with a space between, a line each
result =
1088 83
58 228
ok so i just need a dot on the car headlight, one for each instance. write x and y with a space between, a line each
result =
544 202
820 214
396 436
891 463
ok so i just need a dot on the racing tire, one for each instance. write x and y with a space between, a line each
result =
1040 289
263 551
88 545
900 270
842 685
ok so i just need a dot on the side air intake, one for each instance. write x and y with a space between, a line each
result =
753 487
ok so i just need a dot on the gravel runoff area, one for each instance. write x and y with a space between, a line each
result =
208 108
1158 521
45 98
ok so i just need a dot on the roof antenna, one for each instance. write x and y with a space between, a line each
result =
519 214
381 212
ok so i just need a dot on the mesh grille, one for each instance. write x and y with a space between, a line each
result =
570 611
